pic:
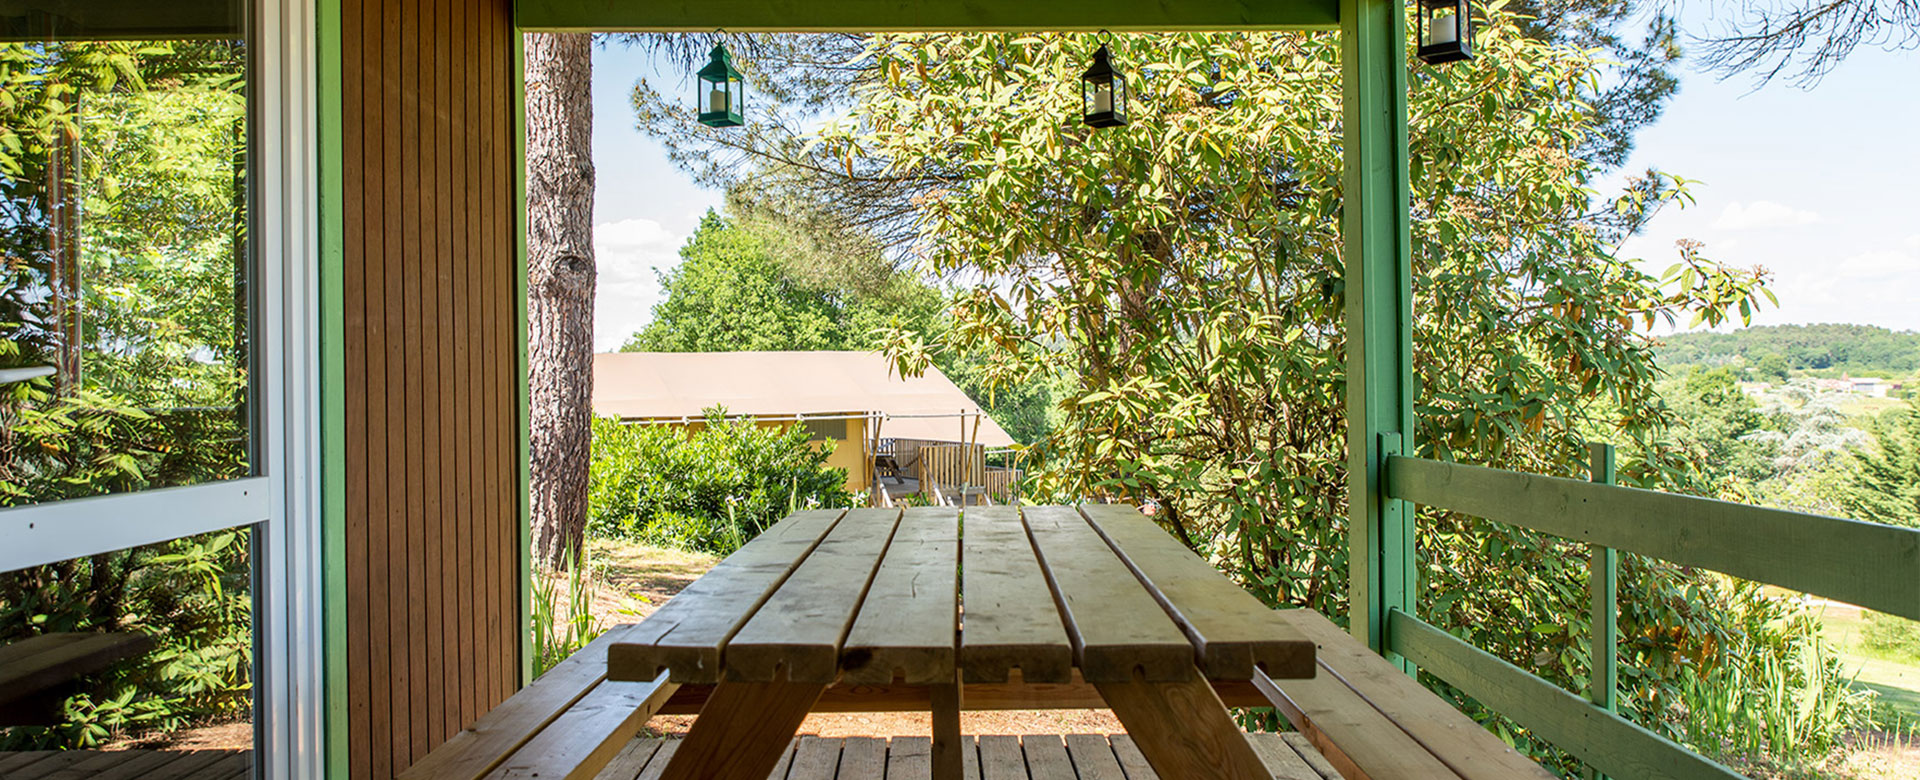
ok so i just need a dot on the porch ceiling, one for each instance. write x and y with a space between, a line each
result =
923 15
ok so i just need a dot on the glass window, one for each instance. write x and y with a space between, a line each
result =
124 255
131 663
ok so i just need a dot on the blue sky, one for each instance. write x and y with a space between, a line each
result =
1821 187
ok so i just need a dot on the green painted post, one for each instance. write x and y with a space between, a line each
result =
333 492
1603 591
1376 242
523 404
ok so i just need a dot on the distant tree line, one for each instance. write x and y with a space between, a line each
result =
1856 349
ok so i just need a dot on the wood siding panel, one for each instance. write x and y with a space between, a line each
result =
432 517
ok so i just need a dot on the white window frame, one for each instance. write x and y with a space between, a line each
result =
283 502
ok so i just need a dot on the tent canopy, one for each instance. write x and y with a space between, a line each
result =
672 385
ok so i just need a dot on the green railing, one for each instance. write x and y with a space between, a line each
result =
1867 564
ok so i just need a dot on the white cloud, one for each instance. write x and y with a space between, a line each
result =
1874 265
1761 214
1913 241
630 255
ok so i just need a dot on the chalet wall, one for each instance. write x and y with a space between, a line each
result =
431 434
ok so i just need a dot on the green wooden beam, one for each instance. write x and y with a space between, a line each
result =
523 393
1602 739
39 20
1866 564
1375 244
329 164
922 15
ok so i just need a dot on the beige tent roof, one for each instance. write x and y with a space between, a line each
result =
671 385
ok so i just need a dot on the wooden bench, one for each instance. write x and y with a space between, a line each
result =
38 673
1362 716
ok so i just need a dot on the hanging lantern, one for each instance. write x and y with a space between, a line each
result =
1446 31
722 93
1103 93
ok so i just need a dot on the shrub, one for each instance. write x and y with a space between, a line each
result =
708 489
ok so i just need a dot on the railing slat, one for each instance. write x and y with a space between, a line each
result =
1603 740
1866 564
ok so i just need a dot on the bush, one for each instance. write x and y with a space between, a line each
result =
708 489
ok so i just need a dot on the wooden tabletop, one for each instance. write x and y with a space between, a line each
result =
922 594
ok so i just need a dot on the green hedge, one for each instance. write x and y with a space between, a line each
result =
710 489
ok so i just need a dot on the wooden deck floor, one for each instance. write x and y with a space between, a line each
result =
1049 757
128 764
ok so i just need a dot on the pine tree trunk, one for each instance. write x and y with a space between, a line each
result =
560 269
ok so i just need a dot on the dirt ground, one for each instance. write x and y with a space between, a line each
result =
637 579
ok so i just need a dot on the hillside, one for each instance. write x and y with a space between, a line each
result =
1860 350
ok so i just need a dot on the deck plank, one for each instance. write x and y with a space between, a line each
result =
907 625
1132 761
1046 757
1116 626
863 758
657 766
1010 621
1304 748
1001 758
910 758
686 635
815 759
192 764
796 635
1281 758
1232 631
631 760
1093 757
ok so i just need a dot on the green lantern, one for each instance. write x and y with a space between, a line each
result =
722 94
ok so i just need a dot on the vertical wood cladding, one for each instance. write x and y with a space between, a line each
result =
432 514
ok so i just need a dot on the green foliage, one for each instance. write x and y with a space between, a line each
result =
1186 272
190 595
1780 697
562 612
1855 349
710 488
1883 484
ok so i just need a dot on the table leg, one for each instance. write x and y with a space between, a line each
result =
742 730
1183 729
948 759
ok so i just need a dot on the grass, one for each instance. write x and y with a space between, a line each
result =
1895 678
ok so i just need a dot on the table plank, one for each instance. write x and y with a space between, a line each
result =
1304 748
1116 626
815 759
908 624
1231 630
1001 759
1131 759
796 635
657 766
1009 619
1280 758
631 760
685 636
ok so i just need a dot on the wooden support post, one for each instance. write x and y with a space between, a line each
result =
1376 240
1183 729
742 731
1603 591
949 762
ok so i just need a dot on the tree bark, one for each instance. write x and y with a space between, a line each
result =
561 275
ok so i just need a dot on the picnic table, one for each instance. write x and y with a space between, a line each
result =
1014 597
38 673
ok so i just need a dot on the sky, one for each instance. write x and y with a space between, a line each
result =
1821 187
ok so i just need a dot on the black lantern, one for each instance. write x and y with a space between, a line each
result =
722 93
1103 93
1446 31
